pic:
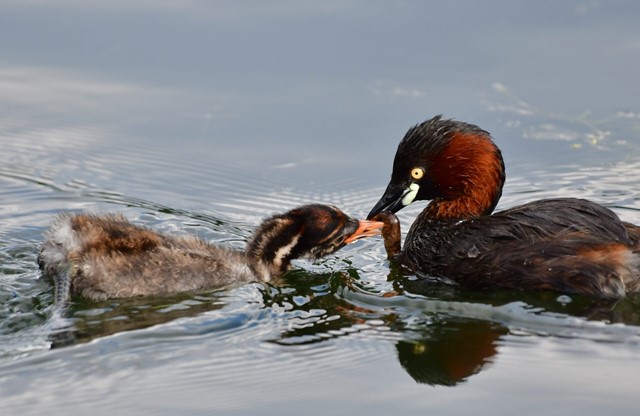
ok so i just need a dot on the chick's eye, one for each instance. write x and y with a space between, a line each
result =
417 173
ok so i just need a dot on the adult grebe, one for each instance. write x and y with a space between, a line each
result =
567 245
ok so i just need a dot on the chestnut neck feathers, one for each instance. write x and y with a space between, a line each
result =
456 165
464 167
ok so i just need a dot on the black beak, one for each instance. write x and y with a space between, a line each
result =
391 200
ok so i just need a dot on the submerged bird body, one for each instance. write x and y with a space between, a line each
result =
567 245
102 257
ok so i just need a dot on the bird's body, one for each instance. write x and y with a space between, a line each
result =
101 257
567 245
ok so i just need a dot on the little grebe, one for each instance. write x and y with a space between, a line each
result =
567 245
102 257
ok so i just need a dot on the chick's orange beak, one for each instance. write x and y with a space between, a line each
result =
365 229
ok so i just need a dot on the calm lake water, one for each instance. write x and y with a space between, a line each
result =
205 117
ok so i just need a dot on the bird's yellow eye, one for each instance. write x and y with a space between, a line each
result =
417 173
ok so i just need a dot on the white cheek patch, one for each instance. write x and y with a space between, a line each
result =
410 194
285 251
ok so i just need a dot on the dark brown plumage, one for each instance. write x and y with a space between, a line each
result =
102 257
567 245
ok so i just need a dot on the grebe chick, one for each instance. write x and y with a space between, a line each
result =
567 245
102 257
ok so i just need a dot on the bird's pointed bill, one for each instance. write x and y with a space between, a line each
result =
395 198
365 228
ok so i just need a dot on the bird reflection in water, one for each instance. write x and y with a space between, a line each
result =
441 347
451 351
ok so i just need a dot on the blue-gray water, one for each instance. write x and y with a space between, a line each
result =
204 117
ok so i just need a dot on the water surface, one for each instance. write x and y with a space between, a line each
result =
204 118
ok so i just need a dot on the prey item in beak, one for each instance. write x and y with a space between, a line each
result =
395 198
365 229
